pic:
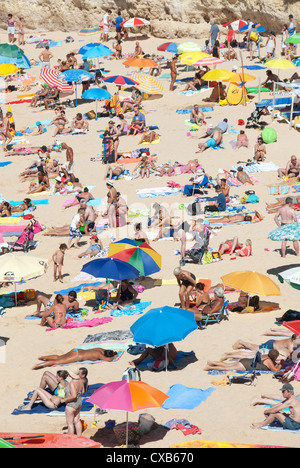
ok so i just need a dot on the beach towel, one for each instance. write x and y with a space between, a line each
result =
188 111
157 192
95 322
184 397
258 167
116 335
277 427
135 309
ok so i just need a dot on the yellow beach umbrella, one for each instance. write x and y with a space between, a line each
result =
217 75
8 69
251 282
280 64
241 78
147 83
189 58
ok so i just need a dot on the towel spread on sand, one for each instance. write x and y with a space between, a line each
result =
85 323
184 397
130 310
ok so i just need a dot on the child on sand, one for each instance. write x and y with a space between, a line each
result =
58 259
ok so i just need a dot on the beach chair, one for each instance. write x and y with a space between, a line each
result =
217 317
249 377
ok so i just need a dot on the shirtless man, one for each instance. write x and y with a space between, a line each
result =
59 310
287 215
174 72
243 177
289 421
69 165
215 140
292 168
79 123
45 57
138 51
197 115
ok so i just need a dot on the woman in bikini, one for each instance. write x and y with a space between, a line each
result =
268 363
51 401
76 355
186 282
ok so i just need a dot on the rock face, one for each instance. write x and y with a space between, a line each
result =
169 18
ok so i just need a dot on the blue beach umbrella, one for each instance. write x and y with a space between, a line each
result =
75 75
297 62
164 325
96 52
86 47
110 268
96 94
288 232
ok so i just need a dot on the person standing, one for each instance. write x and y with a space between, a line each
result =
214 33
287 215
45 57
118 22
11 28
73 400
174 72
21 40
106 25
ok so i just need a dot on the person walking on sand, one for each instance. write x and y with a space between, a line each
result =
287 215
58 260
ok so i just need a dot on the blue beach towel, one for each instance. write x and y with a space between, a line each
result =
186 397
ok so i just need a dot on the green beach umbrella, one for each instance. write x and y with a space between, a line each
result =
295 39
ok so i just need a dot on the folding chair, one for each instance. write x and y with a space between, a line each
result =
217 317
249 377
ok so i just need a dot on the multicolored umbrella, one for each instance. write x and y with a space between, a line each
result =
188 47
135 22
120 80
251 282
247 28
129 396
289 232
169 47
236 25
137 254
89 31
147 83
50 77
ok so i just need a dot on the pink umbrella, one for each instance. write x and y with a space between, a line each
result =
207 61
236 25
129 396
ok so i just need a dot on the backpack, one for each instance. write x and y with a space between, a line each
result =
194 209
131 373
289 316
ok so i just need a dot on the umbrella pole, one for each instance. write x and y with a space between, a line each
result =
126 429
292 110
16 297
166 356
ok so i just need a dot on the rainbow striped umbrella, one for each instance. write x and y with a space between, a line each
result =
138 254
147 83
89 31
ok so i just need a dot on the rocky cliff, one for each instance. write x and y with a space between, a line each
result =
169 18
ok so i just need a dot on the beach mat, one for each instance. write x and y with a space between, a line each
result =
184 397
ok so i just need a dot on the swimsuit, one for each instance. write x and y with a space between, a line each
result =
211 143
187 283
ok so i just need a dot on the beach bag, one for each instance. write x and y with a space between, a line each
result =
131 373
91 115
207 258
134 433
30 295
136 349
253 36
194 209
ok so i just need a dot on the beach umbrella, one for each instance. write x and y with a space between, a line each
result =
96 52
17 267
288 232
240 78
147 83
129 396
188 47
217 75
89 31
10 50
163 325
293 325
280 64
50 76
208 61
168 47
96 94
291 277
137 253
135 22
8 69
76 75
247 28
140 63
21 62
120 80
189 58
236 25
295 39
251 282
86 47
110 268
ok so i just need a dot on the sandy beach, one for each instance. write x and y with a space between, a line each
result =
226 415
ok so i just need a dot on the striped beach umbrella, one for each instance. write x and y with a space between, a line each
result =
236 25
50 77
188 47
208 61
147 83
89 31
135 22
120 80
168 47
138 254
189 58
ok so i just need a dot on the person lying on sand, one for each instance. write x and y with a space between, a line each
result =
243 177
238 218
76 355
69 300
233 246
51 401
268 363
214 141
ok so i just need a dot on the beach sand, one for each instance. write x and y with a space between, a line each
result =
226 415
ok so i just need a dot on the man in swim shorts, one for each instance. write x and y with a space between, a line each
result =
215 140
